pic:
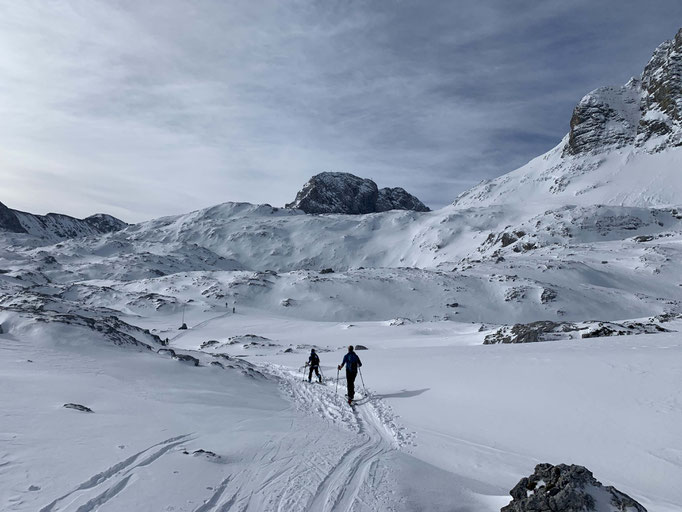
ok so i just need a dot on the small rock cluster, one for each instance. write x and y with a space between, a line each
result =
565 488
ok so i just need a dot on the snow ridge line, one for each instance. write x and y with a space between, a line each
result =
122 469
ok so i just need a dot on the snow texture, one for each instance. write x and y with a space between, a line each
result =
580 249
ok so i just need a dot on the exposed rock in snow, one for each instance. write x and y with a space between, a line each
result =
607 116
341 192
78 407
662 102
546 330
398 199
567 489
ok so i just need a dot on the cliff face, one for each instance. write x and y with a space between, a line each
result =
645 112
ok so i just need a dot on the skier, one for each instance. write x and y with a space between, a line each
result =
314 363
352 363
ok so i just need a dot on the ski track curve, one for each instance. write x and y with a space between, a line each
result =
341 476
118 476
351 483
345 472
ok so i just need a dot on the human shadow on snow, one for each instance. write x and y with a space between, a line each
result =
402 394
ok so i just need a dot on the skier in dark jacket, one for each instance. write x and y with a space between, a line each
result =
314 363
352 362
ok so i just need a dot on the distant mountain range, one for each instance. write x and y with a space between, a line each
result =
56 226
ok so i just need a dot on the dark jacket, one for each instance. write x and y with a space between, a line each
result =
314 360
352 362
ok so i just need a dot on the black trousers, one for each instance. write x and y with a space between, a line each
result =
350 380
317 372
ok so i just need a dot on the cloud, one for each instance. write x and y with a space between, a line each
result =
143 109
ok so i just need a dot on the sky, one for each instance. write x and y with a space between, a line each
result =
145 109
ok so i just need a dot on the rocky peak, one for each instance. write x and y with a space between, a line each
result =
341 192
104 223
645 109
607 116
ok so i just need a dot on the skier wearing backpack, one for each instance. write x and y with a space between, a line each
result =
314 363
352 362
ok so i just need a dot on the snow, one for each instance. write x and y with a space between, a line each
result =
218 417
442 408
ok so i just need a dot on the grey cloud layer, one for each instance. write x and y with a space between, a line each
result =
143 109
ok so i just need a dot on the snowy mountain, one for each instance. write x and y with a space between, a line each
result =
536 319
624 148
54 226
341 192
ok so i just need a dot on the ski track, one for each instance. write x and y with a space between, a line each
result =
120 473
342 474
343 477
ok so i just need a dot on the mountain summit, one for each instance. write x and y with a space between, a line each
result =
342 192
646 109
623 147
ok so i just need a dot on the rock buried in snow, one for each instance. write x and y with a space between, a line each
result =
567 489
546 330
207 454
78 407
185 358
360 347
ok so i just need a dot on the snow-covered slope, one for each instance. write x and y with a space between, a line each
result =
54 226
581 250
623 148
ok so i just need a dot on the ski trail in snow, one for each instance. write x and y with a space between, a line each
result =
211 503
121 472
358 468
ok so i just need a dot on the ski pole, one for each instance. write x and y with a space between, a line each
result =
336 392
303 374
363 381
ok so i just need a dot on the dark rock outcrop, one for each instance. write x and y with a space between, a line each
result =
398 199
645 108
341 192
78 407
567 489
9 221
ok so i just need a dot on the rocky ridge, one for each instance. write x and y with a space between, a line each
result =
645 109
341 192
56 226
